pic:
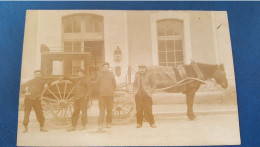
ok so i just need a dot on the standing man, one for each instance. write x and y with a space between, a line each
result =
143 89
32 90
82 96
106 85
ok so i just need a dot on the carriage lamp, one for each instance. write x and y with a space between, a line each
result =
117 71
117 54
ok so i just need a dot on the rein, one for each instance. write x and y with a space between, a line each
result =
202 75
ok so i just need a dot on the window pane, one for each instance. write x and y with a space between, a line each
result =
162 57
67 24
89 24
160 32
170 45
161 45
178 44
75 66
76 24
171 27
67 46
95 25
67 67
179 63
57 67
179 56
169 32
160 29
75 69
76 46
177 26
98 24
170 57
162 64
171 64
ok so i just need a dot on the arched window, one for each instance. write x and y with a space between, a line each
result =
83 33
82 23
170 36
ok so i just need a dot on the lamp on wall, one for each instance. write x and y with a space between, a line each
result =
117 54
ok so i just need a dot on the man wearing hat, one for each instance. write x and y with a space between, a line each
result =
82 96
143 89
32 90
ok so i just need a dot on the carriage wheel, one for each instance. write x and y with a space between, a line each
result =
57 101
124 107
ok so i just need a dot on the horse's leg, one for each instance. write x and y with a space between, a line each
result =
189 101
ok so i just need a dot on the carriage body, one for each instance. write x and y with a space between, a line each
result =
59 70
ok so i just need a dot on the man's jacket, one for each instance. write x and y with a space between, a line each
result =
35 85
146 82
106 84
82 88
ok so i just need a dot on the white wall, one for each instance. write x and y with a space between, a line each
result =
48 25
29 46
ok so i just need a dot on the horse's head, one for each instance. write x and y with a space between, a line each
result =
220 76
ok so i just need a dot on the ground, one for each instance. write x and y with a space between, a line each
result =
174 131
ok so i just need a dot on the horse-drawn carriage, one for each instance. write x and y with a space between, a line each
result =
58 96
59 70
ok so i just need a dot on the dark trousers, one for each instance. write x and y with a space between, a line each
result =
37 106
105 104
80 105
144 106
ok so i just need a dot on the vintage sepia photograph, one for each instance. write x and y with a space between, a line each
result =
127 78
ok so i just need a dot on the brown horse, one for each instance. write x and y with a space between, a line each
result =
195 75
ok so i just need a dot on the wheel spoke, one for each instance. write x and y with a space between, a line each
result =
61 116
55 115
65 88
53 93
70 108
69 93
125 111
65 113
115 112
58 90
50 99
127 107
47 112
71 99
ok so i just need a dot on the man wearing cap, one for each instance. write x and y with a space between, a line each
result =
32 90
143 89
82 96
106 85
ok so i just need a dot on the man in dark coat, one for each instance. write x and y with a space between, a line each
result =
106 85
143 89
82 96
32 90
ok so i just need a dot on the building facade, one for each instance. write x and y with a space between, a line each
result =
126 39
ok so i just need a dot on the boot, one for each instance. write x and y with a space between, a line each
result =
25 129
42 129
108 125
100 127
138 125
153 125
83 128
71 129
